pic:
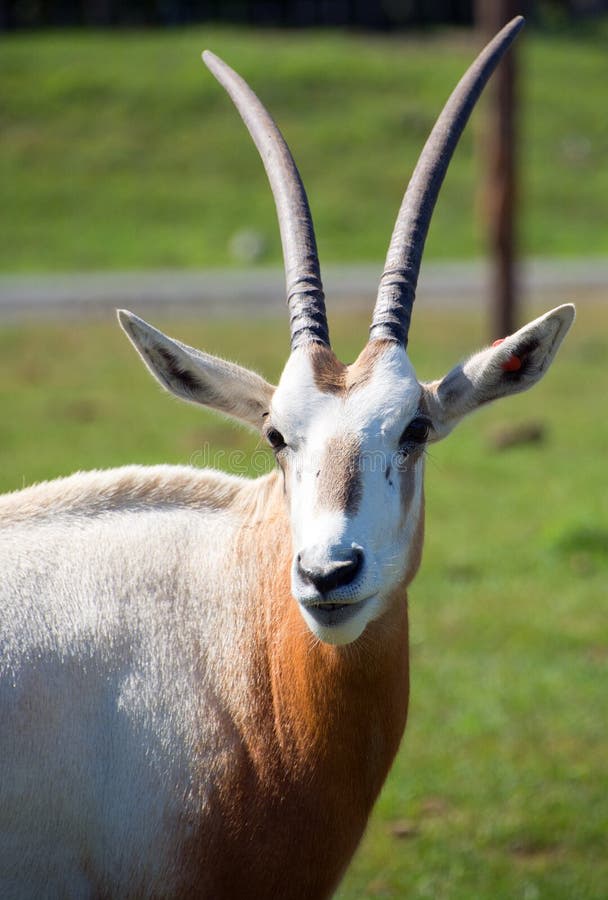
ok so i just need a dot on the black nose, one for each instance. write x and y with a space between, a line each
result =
337 574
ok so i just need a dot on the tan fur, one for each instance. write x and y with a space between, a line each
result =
319 734
333 377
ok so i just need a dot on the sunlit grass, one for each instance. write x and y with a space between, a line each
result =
500 788
119 150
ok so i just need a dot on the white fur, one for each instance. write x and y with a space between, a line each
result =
115 628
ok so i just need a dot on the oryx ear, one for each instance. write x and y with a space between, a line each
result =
198 377
509 366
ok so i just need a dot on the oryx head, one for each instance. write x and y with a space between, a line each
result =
350 440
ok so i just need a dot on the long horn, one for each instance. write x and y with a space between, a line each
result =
393 310
308 320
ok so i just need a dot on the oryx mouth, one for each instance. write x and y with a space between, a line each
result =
330 613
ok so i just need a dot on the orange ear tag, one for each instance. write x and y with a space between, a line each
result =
513 364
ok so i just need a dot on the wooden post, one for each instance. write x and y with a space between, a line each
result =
499 178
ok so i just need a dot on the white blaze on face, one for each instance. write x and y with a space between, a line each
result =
347 484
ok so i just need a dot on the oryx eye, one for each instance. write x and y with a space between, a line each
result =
417 432
275 439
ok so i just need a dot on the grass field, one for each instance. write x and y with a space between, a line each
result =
500 790
119 150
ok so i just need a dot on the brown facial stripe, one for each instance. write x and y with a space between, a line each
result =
333 377
339 484
416 544
408 487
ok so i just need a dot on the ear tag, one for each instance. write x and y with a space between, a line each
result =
513 364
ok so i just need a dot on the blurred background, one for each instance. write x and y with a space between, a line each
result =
128 179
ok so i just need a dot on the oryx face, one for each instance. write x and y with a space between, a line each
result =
350 443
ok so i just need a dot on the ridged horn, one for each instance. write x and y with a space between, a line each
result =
393 310
308 320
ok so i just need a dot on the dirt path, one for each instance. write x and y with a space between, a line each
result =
260 291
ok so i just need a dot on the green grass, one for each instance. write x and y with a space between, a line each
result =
500 790
119 150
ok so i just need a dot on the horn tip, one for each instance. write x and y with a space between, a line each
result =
508 33
515 25
212 61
